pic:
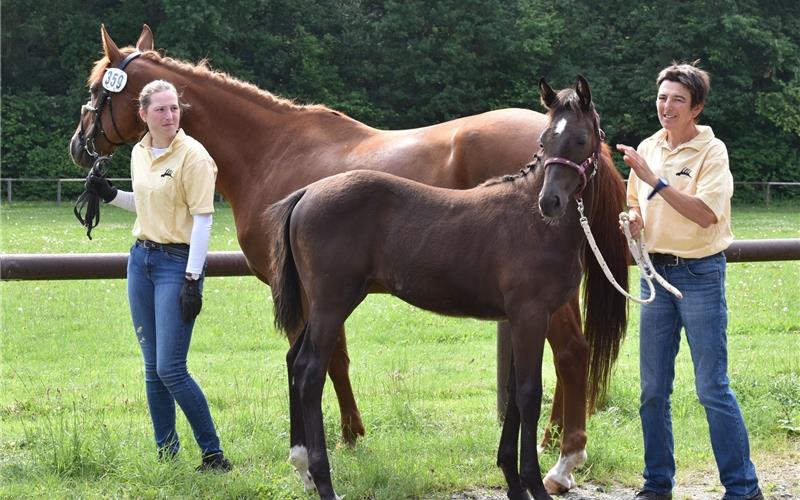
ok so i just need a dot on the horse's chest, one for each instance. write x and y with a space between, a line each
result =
548 275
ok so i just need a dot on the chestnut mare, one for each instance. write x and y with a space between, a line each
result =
368 231
266 147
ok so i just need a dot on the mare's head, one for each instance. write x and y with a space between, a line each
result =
570 145
110 118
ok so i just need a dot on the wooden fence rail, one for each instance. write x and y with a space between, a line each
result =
114 265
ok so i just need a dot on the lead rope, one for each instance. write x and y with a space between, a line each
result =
639 255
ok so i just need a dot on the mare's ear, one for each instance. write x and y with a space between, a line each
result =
145 41
584 94
109 47
546 94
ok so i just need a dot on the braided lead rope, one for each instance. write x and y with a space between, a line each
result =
642 258
637 253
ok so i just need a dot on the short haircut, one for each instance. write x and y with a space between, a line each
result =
689 75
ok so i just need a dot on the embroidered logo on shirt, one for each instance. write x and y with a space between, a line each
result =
685 171
168 173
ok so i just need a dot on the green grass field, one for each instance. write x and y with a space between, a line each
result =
74 422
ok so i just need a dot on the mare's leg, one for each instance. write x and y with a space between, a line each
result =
339 369
571 356
507 456
529 329
298 452
552 431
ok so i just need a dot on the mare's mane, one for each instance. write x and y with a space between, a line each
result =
202 70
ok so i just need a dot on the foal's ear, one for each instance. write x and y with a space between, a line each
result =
109 47
546 94
145 41
584 94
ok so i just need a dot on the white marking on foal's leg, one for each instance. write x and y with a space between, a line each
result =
560 126
298 457
560 479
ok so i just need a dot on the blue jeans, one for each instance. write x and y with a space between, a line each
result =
703 314
155 278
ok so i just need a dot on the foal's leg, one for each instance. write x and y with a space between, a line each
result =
298 452
571 356
507 455
529 328
309 372
338 369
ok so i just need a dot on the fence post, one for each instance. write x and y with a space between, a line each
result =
8 195
58 193
768 185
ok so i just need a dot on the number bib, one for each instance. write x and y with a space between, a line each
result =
114 80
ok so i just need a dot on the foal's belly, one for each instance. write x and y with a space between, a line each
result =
443 298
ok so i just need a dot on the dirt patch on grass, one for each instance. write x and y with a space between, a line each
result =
779 478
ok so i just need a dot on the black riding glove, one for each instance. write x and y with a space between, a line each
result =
191 300
101 186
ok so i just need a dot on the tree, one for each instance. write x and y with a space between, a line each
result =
398 64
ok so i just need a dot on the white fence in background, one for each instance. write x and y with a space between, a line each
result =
60 182
59 185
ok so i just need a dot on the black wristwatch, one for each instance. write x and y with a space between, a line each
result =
661 184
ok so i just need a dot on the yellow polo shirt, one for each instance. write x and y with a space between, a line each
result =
171 188
698 167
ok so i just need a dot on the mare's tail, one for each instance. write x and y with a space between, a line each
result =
605 309
286 288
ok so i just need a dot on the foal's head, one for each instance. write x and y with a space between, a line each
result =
570 145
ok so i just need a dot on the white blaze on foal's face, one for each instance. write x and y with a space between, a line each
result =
560 126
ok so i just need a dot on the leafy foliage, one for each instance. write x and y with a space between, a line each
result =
397 64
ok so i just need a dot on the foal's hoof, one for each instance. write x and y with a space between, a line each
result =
518 495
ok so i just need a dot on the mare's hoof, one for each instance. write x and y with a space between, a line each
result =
559 479
352 428
553 487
